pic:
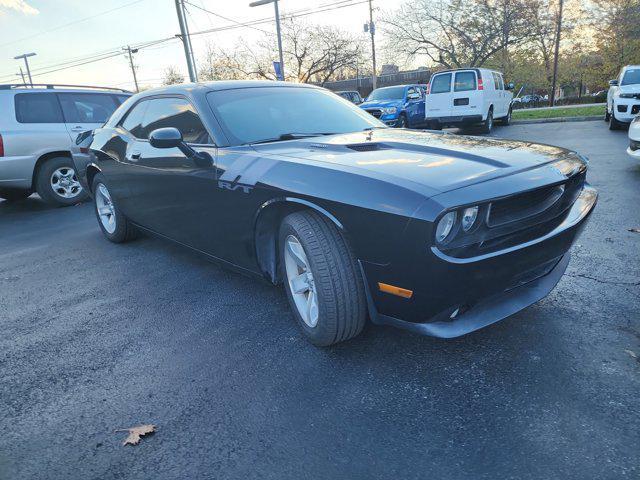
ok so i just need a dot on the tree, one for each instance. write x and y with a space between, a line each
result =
312 53
172 76
459 33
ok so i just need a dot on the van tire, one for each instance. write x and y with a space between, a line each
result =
487 125
504 121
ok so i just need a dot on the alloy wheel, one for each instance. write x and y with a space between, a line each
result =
106 210
301 282
64 182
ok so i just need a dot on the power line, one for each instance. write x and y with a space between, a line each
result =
70 23
228 19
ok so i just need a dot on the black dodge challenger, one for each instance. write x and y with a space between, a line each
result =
437 233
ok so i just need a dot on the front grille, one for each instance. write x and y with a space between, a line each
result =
376 112
634 145
635 109
524 205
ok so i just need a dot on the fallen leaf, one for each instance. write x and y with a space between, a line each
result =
635 230
633 354
135 433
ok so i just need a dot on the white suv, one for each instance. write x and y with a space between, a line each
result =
623 98
468 96
38 125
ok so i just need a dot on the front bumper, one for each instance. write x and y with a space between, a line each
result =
626 109
458 296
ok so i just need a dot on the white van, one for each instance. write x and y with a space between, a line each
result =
468 96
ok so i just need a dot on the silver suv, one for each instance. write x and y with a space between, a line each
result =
38 125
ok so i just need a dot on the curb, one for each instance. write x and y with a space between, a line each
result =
558 120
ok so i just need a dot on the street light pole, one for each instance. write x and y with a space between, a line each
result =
131 51
372 31
26 62
555 59
277 13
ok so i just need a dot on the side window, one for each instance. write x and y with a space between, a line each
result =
133 121
501 81
120 99
86 107
38 108
178 113
413 94
441 83
465 81
496 81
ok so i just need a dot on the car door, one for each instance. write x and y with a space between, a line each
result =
414 106
499 109
168 192
467 99
439 103
86 111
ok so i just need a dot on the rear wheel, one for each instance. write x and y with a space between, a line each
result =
487 125
114 225
57 183
13 195
322 279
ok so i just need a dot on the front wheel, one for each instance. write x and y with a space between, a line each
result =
506 120
322 279
114 225
402 121
614 124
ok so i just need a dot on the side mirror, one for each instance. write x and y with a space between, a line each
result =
510 86
170 137
613 83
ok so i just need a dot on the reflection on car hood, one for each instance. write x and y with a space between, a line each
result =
438 161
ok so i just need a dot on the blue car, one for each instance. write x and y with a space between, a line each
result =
399 106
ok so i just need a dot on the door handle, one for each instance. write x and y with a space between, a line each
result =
77 128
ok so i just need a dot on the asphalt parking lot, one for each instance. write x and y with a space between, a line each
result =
97 336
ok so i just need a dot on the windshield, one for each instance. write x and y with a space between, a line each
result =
388 93
249 115
631 77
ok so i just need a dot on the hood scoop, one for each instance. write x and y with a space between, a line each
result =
368 147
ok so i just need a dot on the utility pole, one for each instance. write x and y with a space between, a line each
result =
372 32
24 57
277 13
131 51
557 52
186 41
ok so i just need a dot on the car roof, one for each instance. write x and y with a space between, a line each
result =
203 87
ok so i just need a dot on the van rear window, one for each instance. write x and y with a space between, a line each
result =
38 108
465 81
441 83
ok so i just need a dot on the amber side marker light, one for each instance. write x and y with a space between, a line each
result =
400 292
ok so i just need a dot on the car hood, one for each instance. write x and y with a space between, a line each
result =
381 104
635 88
439 162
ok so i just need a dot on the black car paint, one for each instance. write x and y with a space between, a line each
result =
384 189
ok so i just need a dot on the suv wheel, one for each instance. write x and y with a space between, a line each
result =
13 195
114 225
57 183
613 123
322 279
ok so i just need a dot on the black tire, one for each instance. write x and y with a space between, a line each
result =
124 230
434 126
613 123
402 121
487 125
13 195
45 188
504 121
339 288
606 113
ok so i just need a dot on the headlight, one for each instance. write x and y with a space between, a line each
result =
389 110
627 95
469 216
445 225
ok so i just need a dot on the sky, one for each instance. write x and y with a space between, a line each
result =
60 31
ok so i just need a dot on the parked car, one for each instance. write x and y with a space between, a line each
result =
352 95
438 234
634 137
532 100
466 97
623 98
399 106
37 128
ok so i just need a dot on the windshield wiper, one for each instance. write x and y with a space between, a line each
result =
289 136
